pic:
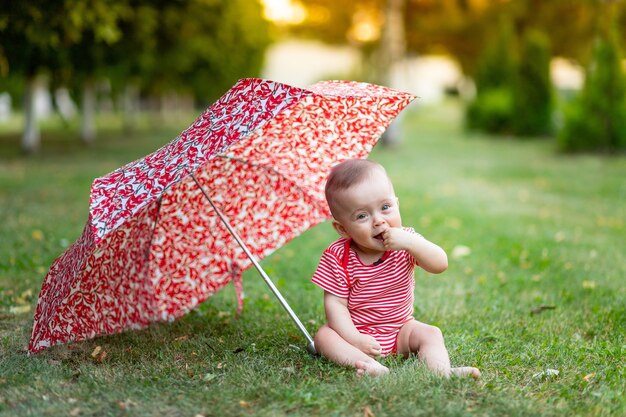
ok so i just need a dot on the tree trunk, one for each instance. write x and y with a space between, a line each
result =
87 125
31 136
392 50
130 107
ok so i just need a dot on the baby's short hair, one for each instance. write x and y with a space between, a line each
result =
347 174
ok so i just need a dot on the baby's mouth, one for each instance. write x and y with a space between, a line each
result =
379 236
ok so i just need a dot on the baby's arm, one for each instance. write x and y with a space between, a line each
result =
339 320
429 256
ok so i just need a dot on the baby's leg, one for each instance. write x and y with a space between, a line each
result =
332 346
427 341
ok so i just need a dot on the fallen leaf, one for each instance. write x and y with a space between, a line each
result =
96 351
102 357
37 234
209 377
244 404
547 374
541 309
26 295
125 405
367 412
460 251
98 354
588 377
75 412
21 309
589 285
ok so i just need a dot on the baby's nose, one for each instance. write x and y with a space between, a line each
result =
378 219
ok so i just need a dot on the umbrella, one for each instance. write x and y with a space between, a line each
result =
167 231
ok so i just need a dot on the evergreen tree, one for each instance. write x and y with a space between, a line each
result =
492 109
533 89
597 119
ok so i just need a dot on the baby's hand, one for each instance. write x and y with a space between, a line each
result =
368 345
396 238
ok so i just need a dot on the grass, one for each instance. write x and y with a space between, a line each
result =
536 282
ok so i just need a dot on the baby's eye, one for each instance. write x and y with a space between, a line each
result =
361 216
386 206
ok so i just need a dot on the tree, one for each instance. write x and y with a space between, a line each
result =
61 38
204 47
391 50
462 28
532 98
597 119
492 109
96 29
199 47
31 42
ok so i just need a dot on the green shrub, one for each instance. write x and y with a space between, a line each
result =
492 111
492 108
532 100
596 120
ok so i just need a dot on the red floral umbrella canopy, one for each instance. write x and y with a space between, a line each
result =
153 248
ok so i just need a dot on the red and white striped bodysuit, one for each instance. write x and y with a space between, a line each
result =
380 295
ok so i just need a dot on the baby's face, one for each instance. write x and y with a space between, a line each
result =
364 211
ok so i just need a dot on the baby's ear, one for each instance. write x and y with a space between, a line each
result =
339 228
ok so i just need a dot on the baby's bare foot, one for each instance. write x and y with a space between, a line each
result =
464 371
370 368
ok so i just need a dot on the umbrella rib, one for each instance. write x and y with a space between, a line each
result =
266 278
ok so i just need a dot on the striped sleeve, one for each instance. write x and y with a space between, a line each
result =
331 276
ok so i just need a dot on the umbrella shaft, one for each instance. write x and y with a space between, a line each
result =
265 277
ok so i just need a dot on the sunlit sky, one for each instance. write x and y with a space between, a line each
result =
284 11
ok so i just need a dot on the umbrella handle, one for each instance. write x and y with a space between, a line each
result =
311 345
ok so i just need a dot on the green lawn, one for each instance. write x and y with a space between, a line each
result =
536 282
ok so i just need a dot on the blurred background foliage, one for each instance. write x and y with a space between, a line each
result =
164 54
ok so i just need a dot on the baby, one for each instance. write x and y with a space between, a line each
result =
367 277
